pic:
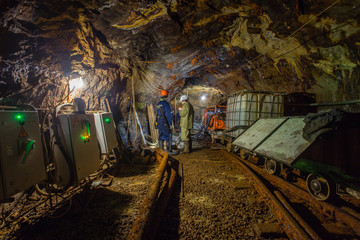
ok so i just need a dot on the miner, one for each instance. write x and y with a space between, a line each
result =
163 121
186 122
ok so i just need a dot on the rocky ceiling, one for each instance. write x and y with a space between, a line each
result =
122 48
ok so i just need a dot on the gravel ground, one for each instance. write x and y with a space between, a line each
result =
104 212
218 202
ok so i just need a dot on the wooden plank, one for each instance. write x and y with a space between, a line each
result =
152 118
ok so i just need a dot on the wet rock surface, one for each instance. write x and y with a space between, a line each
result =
225 45
218 203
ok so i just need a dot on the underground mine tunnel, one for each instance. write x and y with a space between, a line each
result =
257 136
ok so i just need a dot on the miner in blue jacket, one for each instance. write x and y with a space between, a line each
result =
163 121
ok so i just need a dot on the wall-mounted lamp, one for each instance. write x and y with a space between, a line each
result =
74 86
76 83
203 97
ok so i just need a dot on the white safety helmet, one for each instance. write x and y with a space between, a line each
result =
183 97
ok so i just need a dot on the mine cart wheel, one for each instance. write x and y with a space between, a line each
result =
273 167
319 187
244 154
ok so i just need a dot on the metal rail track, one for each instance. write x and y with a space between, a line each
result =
292 223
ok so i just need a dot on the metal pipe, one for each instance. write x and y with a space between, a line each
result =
147 207
141 131
326 103
175 113
8 107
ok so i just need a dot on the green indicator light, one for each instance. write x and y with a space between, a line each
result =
19 117
85 138
107 120
86 131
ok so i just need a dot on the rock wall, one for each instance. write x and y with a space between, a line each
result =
117 46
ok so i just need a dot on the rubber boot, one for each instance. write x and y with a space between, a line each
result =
168 146
186 147
161 144
190 145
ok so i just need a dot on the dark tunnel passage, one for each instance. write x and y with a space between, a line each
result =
179 119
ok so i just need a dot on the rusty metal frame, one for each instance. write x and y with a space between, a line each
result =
329 209
289 223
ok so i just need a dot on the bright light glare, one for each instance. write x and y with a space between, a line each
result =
203 97
76 83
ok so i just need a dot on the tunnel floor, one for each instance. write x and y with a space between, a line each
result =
216 201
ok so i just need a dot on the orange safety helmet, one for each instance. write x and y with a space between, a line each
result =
163 93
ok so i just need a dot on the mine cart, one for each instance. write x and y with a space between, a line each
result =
324 146
245 107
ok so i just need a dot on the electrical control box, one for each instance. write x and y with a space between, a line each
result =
22 162
78 137
106 132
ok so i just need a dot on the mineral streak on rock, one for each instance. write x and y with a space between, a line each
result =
226 45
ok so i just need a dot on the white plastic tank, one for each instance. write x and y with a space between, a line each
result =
245 107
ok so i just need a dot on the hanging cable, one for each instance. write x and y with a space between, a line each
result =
297 30
332 30
313 18
134 107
